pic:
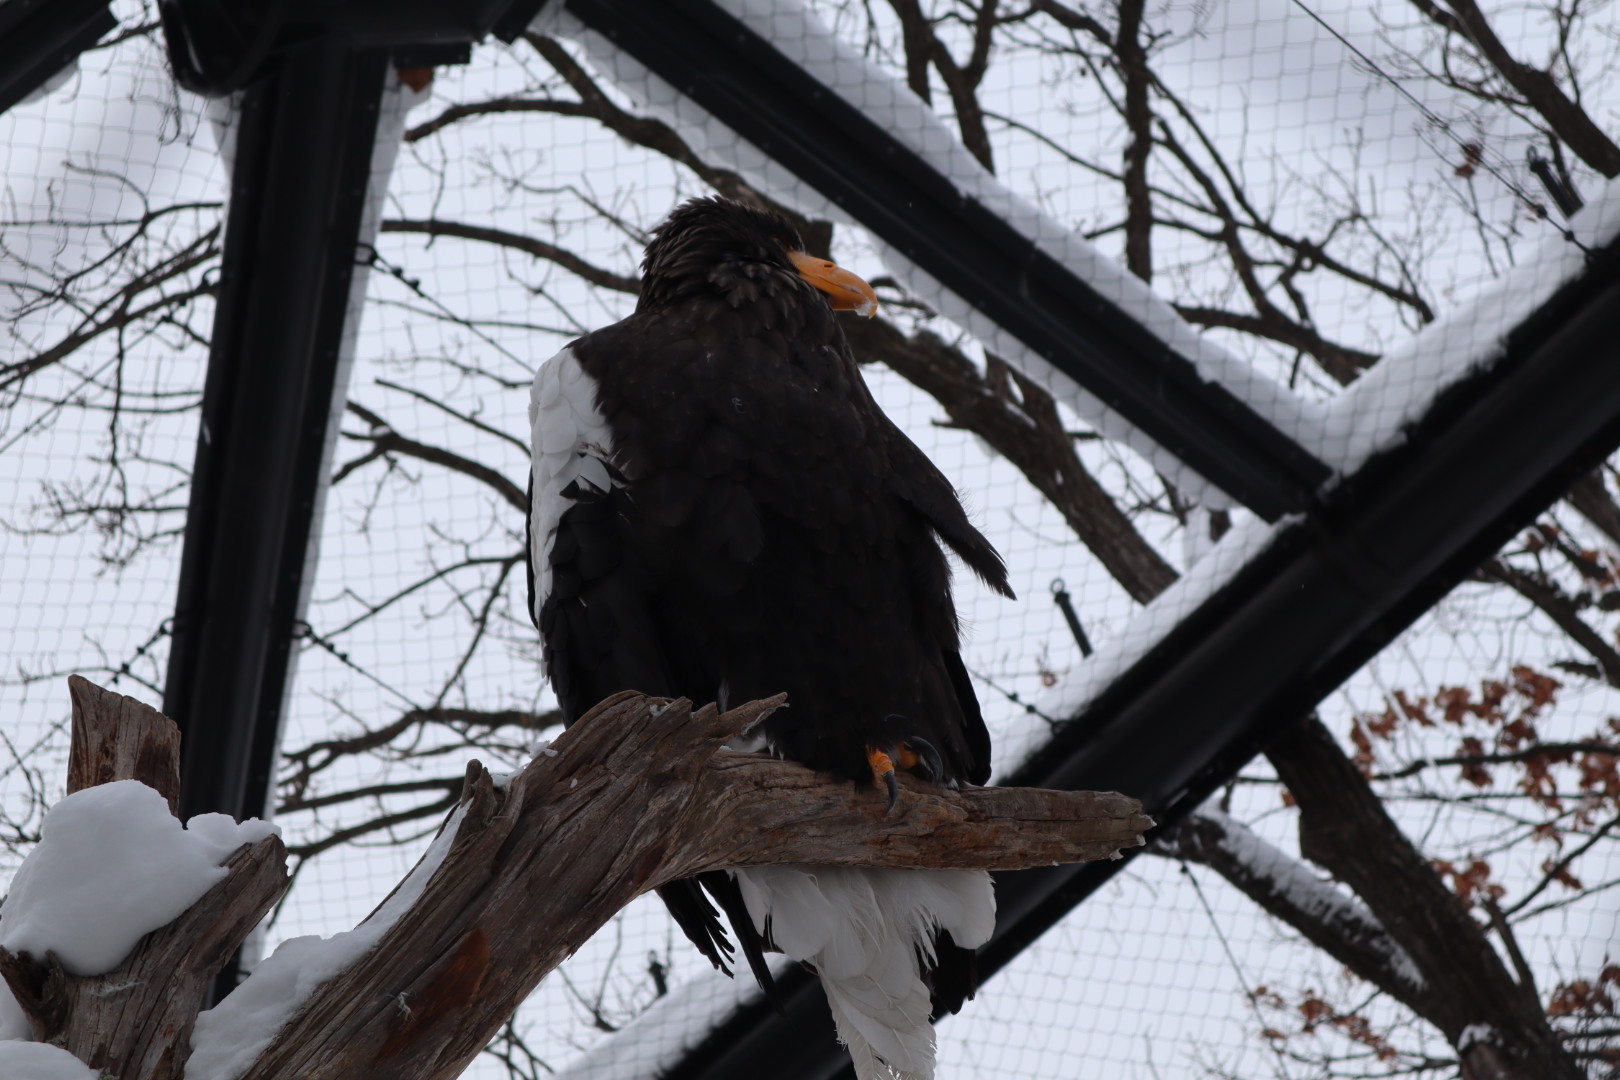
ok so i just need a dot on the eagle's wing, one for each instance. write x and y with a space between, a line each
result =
596 631
919 482
593 594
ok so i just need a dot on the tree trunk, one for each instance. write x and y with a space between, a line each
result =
1497 1027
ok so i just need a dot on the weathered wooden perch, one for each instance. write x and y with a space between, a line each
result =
136 1020
637 793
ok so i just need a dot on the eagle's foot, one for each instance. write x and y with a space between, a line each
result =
915 755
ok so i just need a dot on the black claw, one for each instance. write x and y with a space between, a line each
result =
931 766
894 789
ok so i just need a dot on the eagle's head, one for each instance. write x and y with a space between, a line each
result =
716 245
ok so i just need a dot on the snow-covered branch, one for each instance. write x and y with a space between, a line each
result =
639 792
1287 888
116 925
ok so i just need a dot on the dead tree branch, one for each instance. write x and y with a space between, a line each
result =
136 1020
525 879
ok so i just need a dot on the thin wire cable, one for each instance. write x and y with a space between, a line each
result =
1237 969
1442 124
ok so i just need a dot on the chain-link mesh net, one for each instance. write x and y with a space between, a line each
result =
1309 186
111 221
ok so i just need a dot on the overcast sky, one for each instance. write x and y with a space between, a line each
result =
1146 980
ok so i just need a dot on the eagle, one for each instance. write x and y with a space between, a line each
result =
719 510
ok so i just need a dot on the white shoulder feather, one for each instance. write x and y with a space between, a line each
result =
572 443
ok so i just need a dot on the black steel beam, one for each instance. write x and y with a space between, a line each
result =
303 162
217 47
38 38
743 81
1381 549
1384 547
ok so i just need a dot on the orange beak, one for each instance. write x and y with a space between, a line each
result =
845 291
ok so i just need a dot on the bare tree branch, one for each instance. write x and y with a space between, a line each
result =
472 110
1539 88
1552 602
607 279
1138 115
1539 751
385 440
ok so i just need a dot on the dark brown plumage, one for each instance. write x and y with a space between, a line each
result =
766 529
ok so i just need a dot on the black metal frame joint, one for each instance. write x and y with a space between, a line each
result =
38 38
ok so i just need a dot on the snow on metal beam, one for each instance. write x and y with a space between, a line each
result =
1522 415
764 88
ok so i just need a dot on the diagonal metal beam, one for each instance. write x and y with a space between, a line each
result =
1386 545
747 84
38 38
1329 593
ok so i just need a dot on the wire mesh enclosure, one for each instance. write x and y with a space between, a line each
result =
1211 270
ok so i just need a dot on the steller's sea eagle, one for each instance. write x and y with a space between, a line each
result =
720 511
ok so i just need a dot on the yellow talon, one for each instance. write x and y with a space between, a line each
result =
882 764
883 769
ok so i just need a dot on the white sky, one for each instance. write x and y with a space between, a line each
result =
1136 983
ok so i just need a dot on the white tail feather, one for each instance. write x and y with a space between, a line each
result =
862 930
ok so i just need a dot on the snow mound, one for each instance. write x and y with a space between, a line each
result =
41 1061
112 865
229 1037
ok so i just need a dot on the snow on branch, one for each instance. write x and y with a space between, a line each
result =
117 923
639 792
1287 888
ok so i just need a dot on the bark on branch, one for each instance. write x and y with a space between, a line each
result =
136 1020
528 877
637 793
